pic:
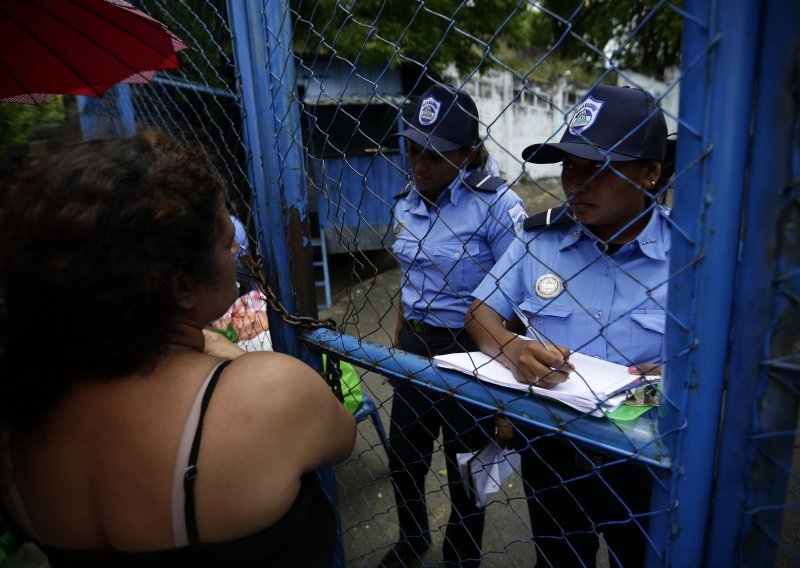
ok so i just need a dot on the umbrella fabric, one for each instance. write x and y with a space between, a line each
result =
79 47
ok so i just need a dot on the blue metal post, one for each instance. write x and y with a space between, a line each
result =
263 50
716 95
271 123
127 115
110 115
743 484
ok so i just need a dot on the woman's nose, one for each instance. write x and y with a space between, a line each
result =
575 184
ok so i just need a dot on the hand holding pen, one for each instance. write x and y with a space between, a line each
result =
538 362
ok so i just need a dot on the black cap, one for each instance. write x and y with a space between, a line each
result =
444 119
620 124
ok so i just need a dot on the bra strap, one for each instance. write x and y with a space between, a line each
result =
190 474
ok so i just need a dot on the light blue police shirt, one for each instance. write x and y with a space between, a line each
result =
446 251
612 307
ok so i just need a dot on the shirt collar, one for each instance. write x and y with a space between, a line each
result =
650 240
413 201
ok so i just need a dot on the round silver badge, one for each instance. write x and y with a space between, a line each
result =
549 286
398 229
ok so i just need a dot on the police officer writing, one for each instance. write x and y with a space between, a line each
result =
451 224
589 277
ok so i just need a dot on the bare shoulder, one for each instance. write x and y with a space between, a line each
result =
274 380
278 396
267 370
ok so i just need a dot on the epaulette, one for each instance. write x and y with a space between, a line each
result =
481 181
402 194
554 216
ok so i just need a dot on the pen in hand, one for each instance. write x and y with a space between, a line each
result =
537 336
521 315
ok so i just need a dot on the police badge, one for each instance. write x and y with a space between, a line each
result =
548 286
429 111
585 115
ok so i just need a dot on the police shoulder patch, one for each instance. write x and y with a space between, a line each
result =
554 216
481 181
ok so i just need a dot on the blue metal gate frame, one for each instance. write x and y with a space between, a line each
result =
719 175
761 409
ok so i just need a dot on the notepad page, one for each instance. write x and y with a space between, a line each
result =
591 380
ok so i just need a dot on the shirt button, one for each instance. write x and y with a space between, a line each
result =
605 272
598 315
540 320
455 254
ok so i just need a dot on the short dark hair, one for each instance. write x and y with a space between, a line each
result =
90 241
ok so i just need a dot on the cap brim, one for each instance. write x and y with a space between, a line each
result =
552 153
428 141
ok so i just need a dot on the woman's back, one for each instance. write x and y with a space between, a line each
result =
98 473
133 239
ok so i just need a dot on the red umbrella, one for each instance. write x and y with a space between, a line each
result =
78 47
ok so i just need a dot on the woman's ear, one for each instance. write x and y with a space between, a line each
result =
652 171
184 291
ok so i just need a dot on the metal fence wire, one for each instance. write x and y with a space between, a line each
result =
299 104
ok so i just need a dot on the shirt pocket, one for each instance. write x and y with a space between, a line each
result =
451 261
551 319
646 339
404 251
650 320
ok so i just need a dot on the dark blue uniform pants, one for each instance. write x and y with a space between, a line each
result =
417 416
571 499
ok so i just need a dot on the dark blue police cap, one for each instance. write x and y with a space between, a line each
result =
620 124
444 120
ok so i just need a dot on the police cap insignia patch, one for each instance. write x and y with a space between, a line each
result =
429 110
585 115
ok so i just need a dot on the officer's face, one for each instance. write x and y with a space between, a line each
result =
606 197
433 171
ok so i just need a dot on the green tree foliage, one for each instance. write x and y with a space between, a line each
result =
567 33
201 25
645 34
432 33
17 120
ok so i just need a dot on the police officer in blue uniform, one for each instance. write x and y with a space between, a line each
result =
451 223
589 277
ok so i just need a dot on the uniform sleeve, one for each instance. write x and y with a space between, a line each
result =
505 222
506 275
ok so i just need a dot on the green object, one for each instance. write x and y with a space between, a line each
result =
626 413
8 546
350 383
229 332
639 401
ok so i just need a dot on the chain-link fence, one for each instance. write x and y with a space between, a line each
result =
299 103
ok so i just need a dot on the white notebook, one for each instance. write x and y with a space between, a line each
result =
594 386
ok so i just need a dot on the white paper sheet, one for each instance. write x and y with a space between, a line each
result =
594 382
484 472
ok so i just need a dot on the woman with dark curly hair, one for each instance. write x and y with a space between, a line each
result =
114 255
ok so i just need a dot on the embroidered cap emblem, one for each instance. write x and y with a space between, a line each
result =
548 286
429 110
585 115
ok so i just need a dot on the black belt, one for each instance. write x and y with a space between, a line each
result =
422 328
